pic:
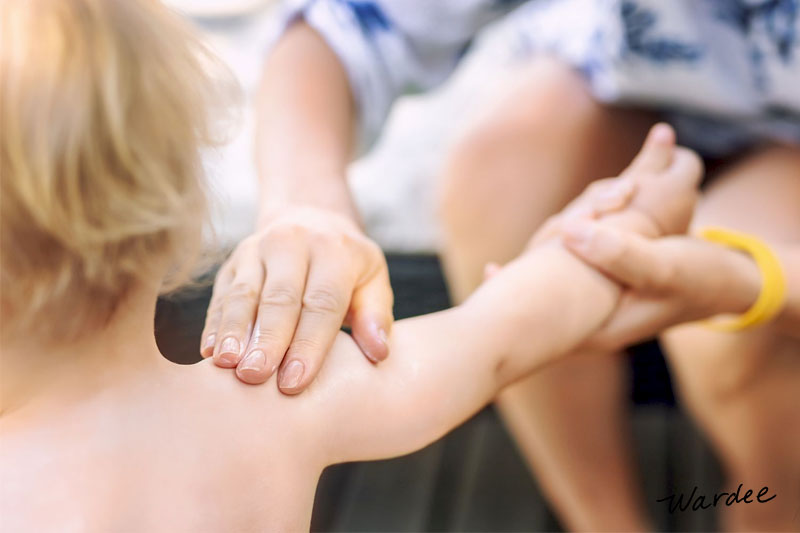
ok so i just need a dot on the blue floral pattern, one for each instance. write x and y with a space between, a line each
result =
727 71
639 24
370 16
778 17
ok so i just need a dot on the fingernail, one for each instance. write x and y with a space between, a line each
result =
229 351
379 354
382 354
254 361
208 344
291 375
661 132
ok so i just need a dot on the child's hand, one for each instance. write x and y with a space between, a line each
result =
600 198
652 198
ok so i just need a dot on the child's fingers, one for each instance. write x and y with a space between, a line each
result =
625 257
601 198
679 183
686 166
656 152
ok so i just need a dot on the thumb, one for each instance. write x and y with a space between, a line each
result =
627 258
371 316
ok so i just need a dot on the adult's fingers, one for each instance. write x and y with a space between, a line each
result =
239 304
626 257
371 315
278 313
652 316
208 339
326 299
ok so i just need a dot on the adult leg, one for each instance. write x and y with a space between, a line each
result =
744 388
536 146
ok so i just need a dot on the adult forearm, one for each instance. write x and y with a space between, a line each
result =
788 320
740 283
305 125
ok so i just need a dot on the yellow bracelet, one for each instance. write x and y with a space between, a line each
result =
773 282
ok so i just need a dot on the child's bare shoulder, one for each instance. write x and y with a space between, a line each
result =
249 418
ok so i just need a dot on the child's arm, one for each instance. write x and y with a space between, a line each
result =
448 365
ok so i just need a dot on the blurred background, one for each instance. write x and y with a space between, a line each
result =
473 479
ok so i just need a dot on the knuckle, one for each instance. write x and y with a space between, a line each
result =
325 238
214 312
264 338
346 240
598 186
374 251
244 248
280 296
249 242
665 276
233 328
279 238
243 292
287 232
212 321
224 270
305 349
322 300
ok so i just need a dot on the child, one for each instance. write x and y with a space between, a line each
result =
102 110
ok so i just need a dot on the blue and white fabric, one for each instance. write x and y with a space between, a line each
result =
725 72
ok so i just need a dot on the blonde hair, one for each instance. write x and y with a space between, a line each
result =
103 110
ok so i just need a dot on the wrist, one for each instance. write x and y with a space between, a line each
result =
545 299
742 282
327 193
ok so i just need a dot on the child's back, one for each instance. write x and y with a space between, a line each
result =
103 106
158 449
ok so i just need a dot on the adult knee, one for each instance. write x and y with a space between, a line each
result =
521 137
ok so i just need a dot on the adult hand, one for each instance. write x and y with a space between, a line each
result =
285 292
668 281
